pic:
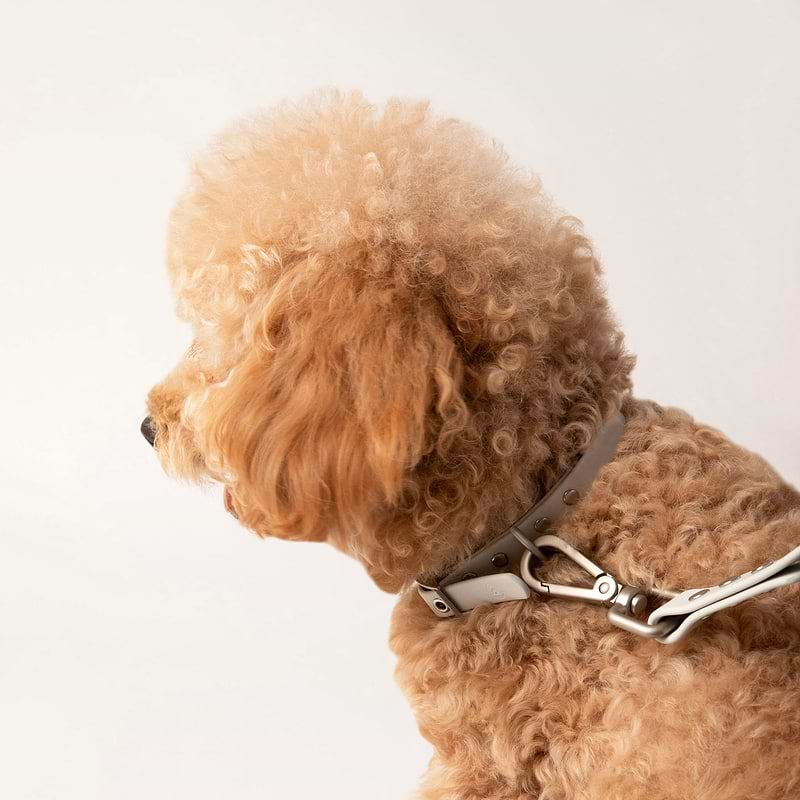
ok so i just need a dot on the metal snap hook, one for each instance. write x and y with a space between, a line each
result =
626 602
605 587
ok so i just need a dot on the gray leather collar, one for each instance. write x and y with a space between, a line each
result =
492 574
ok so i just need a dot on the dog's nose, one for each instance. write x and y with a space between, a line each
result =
148 430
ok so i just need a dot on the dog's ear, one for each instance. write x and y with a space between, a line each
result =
341 393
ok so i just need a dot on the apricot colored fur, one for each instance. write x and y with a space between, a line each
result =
400 344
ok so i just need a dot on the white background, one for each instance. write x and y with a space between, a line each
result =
149 647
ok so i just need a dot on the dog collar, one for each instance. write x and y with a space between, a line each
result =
485 577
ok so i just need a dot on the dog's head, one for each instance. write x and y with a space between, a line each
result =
396 337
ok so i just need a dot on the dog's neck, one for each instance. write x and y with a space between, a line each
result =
484 514
482 571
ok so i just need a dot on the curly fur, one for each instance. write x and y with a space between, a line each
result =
400 343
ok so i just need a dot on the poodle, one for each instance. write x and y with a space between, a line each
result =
400 344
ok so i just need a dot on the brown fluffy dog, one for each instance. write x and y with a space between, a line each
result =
400 344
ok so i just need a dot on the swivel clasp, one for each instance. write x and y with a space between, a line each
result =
626 602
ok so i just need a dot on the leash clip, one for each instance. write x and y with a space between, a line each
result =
626 602
605 587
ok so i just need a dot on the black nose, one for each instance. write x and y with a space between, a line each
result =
148 430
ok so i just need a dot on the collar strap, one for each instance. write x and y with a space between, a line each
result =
487 576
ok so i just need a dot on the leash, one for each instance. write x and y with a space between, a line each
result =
483 577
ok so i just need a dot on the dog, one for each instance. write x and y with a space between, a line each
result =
400 344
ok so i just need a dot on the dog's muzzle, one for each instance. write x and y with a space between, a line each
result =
148 429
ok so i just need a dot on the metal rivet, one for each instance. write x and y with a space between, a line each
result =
763 566
542 524
469 576
729 581
441 605
603 588
699 594
638 603
571 496
500 560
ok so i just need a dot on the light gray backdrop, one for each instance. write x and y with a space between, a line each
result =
149 647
